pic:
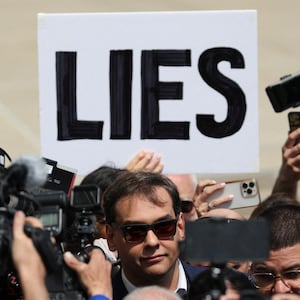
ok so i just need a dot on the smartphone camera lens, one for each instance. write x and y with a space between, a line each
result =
249 191
245 185
251 184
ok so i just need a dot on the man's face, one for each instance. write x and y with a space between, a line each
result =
186 189
284 263
154 260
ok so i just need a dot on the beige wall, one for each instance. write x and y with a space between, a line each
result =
279 54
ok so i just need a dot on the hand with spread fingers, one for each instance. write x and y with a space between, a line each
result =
145 161
204 190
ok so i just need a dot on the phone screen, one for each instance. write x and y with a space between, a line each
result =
294 120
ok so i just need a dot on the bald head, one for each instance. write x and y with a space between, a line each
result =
185 183
224 213
152 292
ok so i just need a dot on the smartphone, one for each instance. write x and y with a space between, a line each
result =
294 120
245 191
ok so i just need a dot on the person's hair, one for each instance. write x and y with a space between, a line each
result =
102 177
272 201
138 183
152 292
204 283
284 224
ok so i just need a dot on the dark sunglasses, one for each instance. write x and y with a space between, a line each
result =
186 205
136 233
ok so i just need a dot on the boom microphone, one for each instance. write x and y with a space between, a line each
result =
23 174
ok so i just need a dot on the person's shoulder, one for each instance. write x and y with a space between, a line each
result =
117 278
192 271
119 289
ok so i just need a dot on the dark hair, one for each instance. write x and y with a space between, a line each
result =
207 281
138 183
271 201
284 223
102 177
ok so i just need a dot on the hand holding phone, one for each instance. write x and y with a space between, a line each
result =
245 191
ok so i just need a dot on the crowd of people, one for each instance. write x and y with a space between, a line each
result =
142 222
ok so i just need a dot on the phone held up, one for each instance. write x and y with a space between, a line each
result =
245 191
294 120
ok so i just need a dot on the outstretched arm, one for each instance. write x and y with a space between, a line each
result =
289 172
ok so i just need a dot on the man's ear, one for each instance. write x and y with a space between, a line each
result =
181 226
110 237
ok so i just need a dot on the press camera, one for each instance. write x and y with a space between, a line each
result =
285 93
71 220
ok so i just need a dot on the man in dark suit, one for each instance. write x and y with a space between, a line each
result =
145 225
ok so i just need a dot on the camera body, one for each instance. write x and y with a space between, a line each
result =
223 240
285 93
67 219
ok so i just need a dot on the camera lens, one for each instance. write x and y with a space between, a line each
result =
245 185
251 184
249 191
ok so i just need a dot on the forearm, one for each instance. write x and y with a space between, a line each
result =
286 182
33 286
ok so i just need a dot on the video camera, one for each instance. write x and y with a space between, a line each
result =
285 93
70 219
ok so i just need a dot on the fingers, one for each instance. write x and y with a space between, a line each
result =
205 207
220 201
208 190
96 256
131 165
145 161
34 222
291 157
203 184
72 262
205 189
21 245
95 275
293 137
18 224
20 219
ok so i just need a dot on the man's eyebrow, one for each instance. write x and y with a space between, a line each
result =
292 267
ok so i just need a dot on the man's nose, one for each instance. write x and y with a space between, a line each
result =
151 239
280 286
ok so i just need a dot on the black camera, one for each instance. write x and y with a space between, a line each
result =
285 93
69 219
221 240
83 207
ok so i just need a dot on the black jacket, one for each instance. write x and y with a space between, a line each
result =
120 291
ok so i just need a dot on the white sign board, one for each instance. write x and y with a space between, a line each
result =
183 84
